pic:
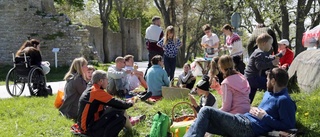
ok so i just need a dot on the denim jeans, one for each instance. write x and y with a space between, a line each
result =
219 122
255 83
170 66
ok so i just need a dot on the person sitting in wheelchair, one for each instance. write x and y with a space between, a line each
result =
31 48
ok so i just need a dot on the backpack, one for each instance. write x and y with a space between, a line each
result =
109 124
41 90
160 126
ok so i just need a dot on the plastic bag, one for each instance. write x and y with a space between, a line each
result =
59 99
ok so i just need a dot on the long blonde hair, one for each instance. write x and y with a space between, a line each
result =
214 70
170 29
76 67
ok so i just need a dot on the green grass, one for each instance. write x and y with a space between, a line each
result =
32 116
25 116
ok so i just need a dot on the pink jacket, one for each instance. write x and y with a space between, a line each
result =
235 94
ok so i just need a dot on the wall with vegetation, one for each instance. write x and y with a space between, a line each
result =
37 19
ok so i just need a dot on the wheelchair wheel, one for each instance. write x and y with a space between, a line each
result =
14 83
36 81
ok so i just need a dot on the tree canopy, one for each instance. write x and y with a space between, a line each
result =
288 18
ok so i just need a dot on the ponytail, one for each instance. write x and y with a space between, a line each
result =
229 72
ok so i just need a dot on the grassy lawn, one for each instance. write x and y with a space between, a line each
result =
36 116
26 116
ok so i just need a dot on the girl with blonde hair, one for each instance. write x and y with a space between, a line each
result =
213 72
76 83
170 44
235 88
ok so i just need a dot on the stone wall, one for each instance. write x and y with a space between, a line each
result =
21 19
132 38
37 19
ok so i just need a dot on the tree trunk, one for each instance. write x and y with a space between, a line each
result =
285 20
105 42
172 13
256 12
164 12
181 56
121 18
302 9
105 10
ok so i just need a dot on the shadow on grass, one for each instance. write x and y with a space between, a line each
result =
3 72
305 132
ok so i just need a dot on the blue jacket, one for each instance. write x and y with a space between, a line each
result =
156 77
280 113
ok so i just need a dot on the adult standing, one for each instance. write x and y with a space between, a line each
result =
234 46
153 34
209 42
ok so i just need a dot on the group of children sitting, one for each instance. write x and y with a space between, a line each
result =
86 97
238 92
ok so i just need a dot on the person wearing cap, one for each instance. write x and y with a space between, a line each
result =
207 99
287 54
153 34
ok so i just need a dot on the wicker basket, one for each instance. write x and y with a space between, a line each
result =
185 117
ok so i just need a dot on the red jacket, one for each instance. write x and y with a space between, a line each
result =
286 59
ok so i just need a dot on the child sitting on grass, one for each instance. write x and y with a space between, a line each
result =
186 78
214 80
207 99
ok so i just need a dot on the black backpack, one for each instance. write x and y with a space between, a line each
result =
109 124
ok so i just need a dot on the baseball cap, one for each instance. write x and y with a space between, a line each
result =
155 18
284 41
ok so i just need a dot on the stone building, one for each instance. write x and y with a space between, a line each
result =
37 19
20 19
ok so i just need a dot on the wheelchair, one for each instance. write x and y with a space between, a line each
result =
24 73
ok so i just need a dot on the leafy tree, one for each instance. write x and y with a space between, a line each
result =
78 4
127 9
303 8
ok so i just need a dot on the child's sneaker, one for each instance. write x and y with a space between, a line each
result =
137 119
